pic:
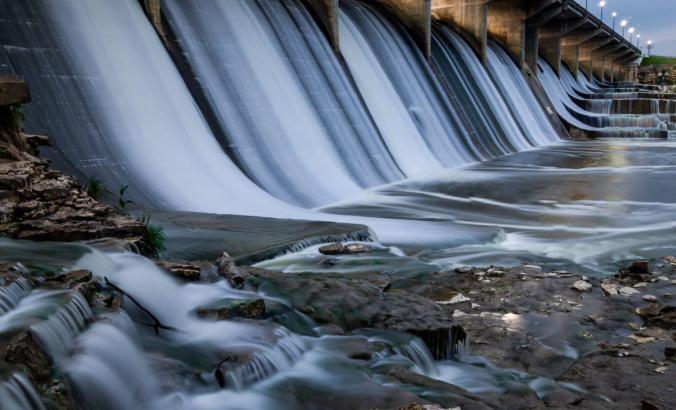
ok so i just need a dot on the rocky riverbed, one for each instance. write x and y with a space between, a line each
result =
602 342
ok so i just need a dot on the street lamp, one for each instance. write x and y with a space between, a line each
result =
631 34
614 17
650 46
602 4
623 23
638 40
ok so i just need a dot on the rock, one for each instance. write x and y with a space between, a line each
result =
659 315
627 291
341 249
532 269
642 339
13 91
464 269
452 396
23 350
649 298
233 308
609 287
458 314
670 353
582 286
661 369
459 298
182 269
640 267
228 269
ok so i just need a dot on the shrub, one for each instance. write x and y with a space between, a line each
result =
95 188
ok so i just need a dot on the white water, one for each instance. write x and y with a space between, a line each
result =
391 114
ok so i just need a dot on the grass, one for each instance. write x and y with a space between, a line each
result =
155 235
95 188
658 60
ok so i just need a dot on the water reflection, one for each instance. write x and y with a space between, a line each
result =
586 205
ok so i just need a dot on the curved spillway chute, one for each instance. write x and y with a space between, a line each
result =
524 106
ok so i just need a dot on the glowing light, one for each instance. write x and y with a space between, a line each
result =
631 30
614 14
602 3
624 23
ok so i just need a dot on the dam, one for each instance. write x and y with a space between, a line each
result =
445 203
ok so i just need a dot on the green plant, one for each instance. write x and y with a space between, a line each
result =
122 201
155 235
18 116
95 188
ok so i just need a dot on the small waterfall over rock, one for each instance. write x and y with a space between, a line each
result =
12 294
17 393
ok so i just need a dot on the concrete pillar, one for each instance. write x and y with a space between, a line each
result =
326 14
596 54
550 43
154 12
507 24
470 19
542 23
574 34
608 55
416 15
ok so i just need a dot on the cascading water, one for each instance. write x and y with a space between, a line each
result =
17 393
125 124
524 106
399 69
287 107
497 132
13 293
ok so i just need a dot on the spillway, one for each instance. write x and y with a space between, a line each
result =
495 130
406 99
125 124
288 109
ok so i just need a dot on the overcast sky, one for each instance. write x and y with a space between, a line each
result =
654 19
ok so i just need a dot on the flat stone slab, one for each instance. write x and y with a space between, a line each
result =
13 90
248 239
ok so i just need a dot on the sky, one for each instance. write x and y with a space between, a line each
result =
653 19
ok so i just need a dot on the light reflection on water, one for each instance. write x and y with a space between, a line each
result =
587 205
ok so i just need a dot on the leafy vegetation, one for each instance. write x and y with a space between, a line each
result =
95 188
155 237
18 116
122 201
658 60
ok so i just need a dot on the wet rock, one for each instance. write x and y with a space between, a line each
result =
670 353
459 298
610 287
339 248
649 298
24 351
659 315
582 286
183 270
627 291
13 90
233 308
640 267
451 396
228 269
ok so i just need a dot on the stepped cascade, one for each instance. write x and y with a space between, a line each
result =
345 204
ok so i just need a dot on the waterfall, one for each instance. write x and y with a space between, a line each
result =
13 293
513 87
289 111
497 132
388 67
17 393
116 107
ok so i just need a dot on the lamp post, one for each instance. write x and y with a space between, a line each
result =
631 34
623 23
614 18
602 4
650 46
638 40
